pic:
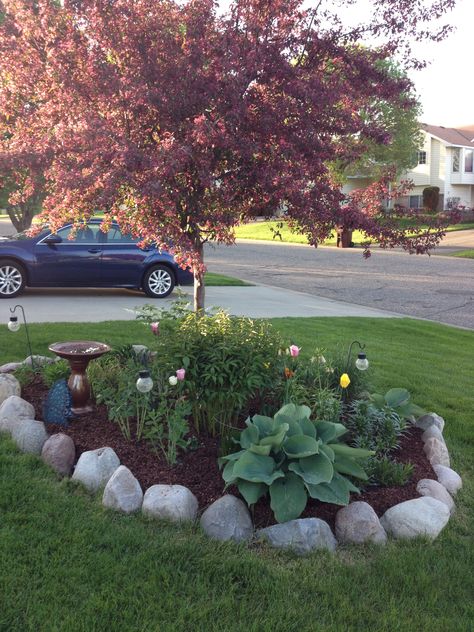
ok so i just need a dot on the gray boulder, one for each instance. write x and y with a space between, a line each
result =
227 519
432 432
301 536
30 436
429 487
430 419
418 517
59 453
436 452
38 360
95 467
123 491
170 502
358 523
10 367
448 478
9 386
13 410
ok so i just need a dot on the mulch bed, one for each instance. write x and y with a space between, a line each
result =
197 468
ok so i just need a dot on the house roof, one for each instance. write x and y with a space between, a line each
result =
463 136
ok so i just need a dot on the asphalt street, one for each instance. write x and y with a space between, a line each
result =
433 287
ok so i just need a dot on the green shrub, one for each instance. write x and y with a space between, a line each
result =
24 374
290 457
54 371
373 428
388 473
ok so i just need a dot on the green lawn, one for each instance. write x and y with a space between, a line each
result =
66 565
262 231
213 279
464 254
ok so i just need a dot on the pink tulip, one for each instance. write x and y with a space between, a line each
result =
294 351
155 328
180 374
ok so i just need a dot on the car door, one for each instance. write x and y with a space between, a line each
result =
122 260
70 262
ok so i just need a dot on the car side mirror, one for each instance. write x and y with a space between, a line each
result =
52 239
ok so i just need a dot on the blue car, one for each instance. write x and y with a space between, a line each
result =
91 259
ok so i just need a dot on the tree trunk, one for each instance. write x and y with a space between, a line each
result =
199 289
21 217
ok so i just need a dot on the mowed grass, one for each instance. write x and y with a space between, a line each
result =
464 254
213 279
67 565
262 231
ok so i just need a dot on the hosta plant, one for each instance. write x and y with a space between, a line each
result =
291 457
399 399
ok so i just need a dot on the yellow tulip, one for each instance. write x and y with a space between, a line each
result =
344 381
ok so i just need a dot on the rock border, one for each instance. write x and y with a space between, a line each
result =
228 518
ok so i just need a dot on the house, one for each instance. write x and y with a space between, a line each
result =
446 160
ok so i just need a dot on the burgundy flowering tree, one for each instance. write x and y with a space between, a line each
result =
178 121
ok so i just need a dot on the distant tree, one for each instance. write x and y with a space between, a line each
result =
431 198
21 195
177 121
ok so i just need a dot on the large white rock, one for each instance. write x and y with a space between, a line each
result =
430 419
359 523
429 487
9 386
13 410
170 502
432 432
95 467
301 536
30 435
227 519
59 453
38 360
420 516
436 452
448 478
10 367
123 491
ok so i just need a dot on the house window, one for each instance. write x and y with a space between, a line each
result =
468 155
415 201
422 157
456 159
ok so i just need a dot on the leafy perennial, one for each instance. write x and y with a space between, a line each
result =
290 457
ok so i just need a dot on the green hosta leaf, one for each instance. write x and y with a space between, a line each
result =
377 400
248 436
260 449
256 468
314 469
299 446
228 473
409 409
230 457
397 397
288 497
251 491
265 425
335 492
275 440
345 450
344 465
308 428
294 429
328 431
327 451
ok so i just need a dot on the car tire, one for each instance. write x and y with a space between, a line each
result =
12 278
159 282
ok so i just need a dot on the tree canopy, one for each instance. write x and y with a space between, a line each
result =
178 121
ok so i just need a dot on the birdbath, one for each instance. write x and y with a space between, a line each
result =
79 353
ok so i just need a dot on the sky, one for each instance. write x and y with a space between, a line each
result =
446 87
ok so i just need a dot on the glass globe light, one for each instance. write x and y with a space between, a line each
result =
13 324
144 383
362 363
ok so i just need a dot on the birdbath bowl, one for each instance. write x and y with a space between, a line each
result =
79 353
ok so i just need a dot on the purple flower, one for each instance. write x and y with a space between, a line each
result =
180 374
294 351
155 328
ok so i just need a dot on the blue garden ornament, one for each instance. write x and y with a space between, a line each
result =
57 407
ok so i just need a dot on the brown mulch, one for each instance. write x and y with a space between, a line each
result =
197 468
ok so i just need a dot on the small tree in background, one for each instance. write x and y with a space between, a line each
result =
177 121
431 198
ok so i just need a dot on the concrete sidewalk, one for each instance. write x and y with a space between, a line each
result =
96 305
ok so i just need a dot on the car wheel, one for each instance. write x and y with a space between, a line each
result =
12 278
158 282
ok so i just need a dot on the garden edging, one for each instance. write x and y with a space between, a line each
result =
228 517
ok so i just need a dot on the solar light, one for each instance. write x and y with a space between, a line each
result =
362 363
144 383
13 324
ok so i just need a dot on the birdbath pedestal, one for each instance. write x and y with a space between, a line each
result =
79 353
